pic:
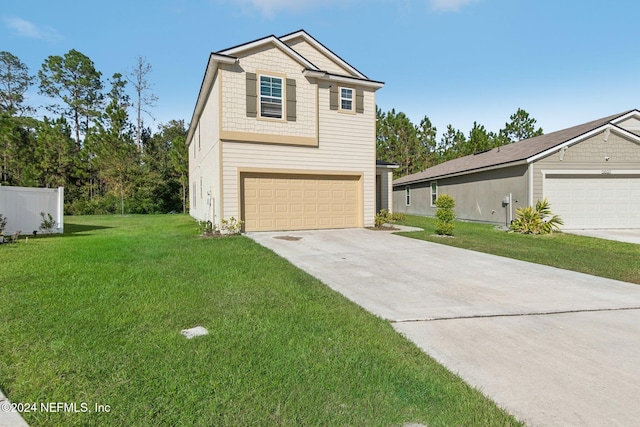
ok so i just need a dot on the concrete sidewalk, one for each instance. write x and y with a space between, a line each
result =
551 346
9 419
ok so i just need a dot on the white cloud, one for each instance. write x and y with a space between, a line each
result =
28 29
271 7
449 5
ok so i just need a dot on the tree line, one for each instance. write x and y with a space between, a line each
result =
414 147
88 143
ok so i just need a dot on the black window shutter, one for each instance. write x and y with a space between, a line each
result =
359 100
333 97
291 100
252 98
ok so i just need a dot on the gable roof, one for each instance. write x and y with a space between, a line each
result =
520 152
230 56
324 50
235 50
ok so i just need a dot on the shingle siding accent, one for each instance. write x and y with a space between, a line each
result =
234 95
316 57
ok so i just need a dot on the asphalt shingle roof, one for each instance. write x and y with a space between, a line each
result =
506 154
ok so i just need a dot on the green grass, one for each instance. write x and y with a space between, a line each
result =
94 317
599 257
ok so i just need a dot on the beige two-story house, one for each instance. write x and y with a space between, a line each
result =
283 138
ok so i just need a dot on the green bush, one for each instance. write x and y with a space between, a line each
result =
383 217
397 216
538 220
3 223
445 215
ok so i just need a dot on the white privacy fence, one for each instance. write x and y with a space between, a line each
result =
21 206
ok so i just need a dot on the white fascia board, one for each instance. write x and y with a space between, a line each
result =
320 75
273 40
223 59
207 82
584 136
634 113
319 46
598 172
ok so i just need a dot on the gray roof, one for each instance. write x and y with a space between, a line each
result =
507 154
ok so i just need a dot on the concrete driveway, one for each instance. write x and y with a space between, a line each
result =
553 347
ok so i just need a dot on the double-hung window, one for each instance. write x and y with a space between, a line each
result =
407 196
346 99
271 97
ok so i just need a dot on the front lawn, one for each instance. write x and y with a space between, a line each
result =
605 258
93 317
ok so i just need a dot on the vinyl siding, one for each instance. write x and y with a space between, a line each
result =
589 155
346 144
316 57
206 163
271 59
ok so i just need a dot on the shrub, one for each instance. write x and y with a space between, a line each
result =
538 220
445 214
3 223
397 216
231 226
383 217
48 224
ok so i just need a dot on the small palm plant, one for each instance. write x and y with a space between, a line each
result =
538 220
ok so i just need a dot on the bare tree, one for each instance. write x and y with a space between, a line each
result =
144 97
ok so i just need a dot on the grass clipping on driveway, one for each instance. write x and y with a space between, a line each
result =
93 317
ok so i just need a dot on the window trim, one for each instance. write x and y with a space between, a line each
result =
352 99
407 196
434 192
282 97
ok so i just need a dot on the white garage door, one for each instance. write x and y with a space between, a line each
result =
595 201
300 202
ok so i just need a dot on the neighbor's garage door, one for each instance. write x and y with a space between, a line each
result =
595 201
298 202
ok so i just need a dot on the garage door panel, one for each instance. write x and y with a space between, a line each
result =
293 202
595 201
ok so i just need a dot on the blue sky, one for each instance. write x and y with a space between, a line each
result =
455 61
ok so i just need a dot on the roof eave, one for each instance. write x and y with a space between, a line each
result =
234 51
582 137
461 173
322 75
205 88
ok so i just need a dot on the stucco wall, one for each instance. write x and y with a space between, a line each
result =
591 154
478 196
386 188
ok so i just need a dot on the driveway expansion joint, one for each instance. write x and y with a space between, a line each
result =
489 316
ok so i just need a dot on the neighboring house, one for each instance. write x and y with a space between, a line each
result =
283 138
590 174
